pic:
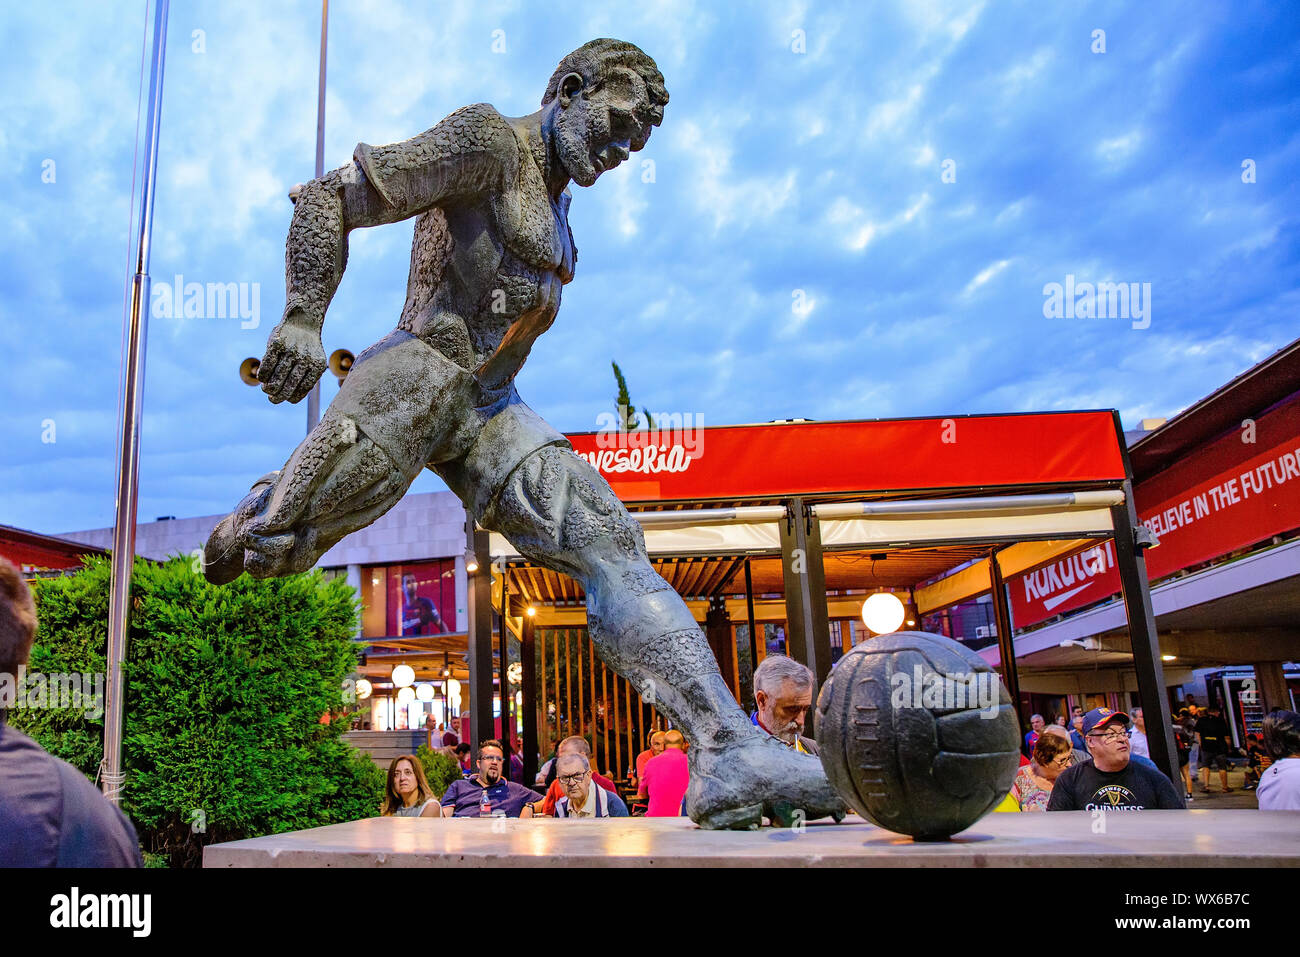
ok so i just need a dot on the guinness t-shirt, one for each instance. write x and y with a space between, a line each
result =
1139 786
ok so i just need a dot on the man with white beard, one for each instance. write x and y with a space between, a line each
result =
783 694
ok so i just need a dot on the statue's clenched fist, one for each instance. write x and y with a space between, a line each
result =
294 358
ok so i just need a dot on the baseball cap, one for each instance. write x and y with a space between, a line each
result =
1099 716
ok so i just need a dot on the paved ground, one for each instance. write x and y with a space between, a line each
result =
1216 800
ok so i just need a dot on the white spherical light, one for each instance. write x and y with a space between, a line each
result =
364 689
405 695
403 676
453 688
883 613
424 691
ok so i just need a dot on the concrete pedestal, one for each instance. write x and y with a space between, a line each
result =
1135 839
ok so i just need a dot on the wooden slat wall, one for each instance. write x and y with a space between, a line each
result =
573 679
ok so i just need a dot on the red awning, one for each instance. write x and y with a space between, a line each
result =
32 549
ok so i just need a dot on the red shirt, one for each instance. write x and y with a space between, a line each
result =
642 760
556 791
666 779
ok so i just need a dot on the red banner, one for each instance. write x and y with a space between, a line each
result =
683 461
1239 490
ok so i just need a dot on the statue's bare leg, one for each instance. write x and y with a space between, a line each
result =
401 400
558 512
336 481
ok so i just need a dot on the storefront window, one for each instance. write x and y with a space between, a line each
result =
774 639
417 598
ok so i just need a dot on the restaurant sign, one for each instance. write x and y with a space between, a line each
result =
693 463
1239 490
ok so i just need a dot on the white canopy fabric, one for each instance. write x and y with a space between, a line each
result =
848 525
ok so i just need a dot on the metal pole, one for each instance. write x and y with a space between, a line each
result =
528 652
1006 639
313 397
749 608
135 335
479 637
1145 640
807 625
504 680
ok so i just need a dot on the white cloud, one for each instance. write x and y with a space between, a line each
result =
1027 71
985 275
1012 211
888 118
1117 149
721 191
860 229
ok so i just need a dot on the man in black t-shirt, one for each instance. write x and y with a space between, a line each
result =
1111 781
1212 733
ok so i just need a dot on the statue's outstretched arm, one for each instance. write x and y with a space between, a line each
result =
462 156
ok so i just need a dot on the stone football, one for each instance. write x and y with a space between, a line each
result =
917 734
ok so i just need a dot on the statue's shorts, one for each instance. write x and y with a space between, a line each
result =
424 410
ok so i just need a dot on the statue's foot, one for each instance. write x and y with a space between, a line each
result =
738 786
223 555
270 556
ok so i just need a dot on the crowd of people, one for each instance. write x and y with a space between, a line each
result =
569 786
51 815
1113 769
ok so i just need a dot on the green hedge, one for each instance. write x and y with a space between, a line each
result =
440 769
226 687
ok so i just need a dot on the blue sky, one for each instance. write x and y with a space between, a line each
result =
798 252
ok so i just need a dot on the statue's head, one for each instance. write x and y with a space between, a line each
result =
607 95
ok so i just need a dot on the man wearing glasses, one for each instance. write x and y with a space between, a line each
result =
488 793
1112 781
582 797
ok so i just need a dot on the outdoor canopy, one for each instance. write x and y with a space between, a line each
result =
1065 469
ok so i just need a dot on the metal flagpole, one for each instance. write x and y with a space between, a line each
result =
135 322
313 397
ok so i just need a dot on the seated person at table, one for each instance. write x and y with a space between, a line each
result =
1279 785
1032 787
1076 756
667 778
50 813
462 755
1113 780
783 694
572 745
466 797
655 749
408 793
582 796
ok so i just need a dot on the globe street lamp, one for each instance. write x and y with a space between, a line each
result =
883 613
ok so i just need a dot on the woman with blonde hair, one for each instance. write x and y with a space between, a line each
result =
407 793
